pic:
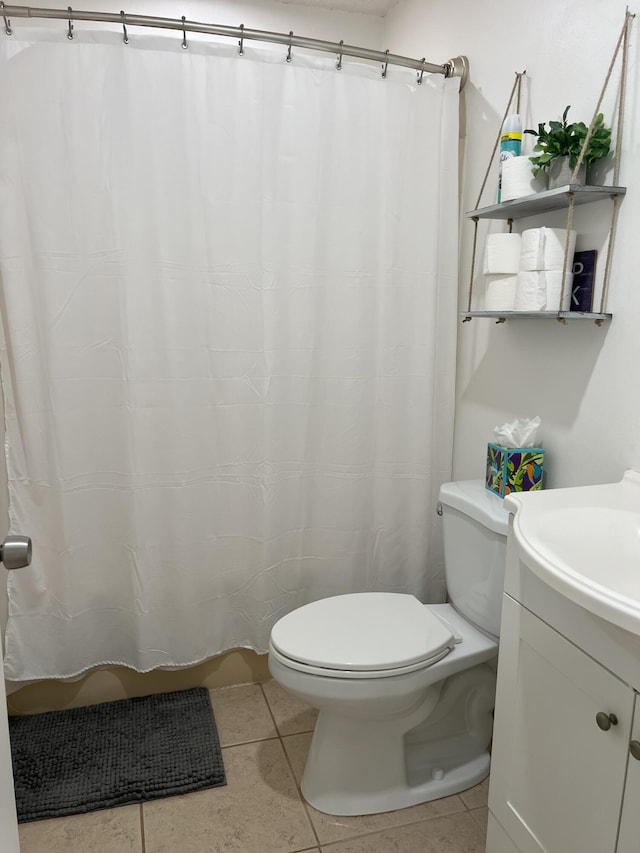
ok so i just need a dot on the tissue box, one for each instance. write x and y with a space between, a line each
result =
513 469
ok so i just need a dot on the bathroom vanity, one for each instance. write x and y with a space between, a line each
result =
565 772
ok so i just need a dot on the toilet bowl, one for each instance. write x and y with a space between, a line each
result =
405 691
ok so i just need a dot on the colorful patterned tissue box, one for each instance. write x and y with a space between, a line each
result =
513 469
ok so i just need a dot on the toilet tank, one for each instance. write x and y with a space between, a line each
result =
475 526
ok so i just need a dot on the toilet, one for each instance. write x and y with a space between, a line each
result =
405 691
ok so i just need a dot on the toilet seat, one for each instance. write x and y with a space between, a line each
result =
361 635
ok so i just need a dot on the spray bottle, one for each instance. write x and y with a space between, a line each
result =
510 144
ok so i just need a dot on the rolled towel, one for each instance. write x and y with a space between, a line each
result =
539 290
500 292
502 254
554 289
543 249
518 180
531 291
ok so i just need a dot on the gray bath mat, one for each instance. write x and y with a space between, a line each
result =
129 751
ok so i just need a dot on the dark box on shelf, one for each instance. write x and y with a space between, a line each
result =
513 469
584 271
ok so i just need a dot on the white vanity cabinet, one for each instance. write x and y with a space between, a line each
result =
565 768
629 838
558 779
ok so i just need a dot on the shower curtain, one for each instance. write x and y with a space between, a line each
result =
228 290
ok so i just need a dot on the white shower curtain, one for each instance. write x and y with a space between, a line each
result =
228 294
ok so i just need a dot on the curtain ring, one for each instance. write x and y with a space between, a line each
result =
240 47
339 63
290 45
125 38
70 30
7 22
421 72
184 34
385 66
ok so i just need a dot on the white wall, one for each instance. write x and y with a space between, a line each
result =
579 378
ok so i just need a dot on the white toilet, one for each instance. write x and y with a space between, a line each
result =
405 690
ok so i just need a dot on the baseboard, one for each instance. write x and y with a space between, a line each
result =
238 666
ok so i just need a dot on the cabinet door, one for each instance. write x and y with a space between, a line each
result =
629 840
557 779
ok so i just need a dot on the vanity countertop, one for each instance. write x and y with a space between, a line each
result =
584 542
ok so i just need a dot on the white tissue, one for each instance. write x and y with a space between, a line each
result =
518 180
502 254
531 291
519 433
543 249
500 292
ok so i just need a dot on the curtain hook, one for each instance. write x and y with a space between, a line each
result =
290 45
125 38
421 72
7 22
184 33
240 47
385 66
70 30
339 63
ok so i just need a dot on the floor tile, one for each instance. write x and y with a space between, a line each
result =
242 714
476 797
258 811
481 815
107 831
458 833
291 715
330 828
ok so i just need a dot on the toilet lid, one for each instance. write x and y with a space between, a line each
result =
373 631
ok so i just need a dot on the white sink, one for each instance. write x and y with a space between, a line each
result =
585 543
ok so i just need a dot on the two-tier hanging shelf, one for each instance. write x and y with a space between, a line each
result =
566 197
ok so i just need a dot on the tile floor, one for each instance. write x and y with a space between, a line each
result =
265 735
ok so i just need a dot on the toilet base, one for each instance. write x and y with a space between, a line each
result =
359 766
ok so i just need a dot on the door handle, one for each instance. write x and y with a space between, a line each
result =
15 552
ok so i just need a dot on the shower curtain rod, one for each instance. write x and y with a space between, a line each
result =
454 68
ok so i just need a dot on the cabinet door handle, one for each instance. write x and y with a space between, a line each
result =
634 749
605 721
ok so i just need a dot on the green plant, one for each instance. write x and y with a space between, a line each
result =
566 140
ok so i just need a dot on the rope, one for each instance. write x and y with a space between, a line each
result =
516 88
473 263
516 85
607 266
616 167
623 92
621 38
567 240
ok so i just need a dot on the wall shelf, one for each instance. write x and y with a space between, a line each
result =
563 316
543 202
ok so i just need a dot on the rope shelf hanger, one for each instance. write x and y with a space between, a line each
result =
515 91
622 50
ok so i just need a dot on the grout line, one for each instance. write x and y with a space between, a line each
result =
142 839
264 696
305 805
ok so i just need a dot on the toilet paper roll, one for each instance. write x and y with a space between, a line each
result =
518 180
554 289
531 291
543 249
502 254
500 292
